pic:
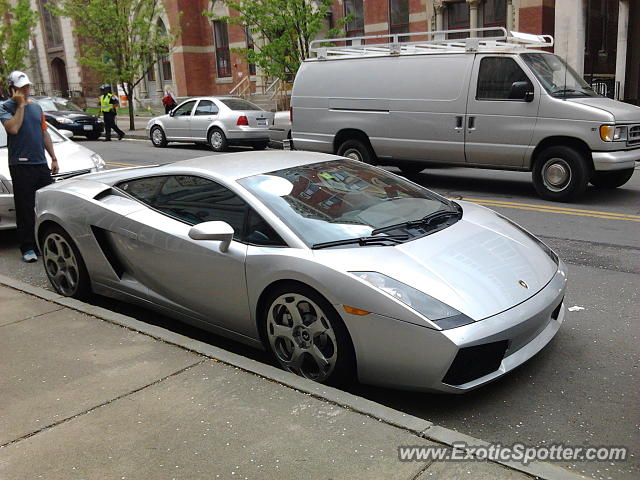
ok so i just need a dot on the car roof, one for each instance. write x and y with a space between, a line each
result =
228 166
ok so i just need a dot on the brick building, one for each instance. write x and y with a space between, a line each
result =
591 34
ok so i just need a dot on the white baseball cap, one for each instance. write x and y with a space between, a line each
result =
18 79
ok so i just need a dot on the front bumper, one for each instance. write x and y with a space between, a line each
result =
617 160
7 212
398 354
78 128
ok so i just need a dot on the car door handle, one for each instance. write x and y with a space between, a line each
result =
471 123
458 123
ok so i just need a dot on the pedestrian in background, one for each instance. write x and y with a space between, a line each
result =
168 101
27 140
108 104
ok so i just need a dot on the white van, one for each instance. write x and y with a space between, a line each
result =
484 102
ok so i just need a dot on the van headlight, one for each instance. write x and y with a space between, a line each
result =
438 312
97 161
613 133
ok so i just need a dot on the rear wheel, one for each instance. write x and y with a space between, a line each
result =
306 335
357 150
612 179
158 137
64 265
560 173
217 140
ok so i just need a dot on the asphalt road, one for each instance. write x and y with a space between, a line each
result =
582 389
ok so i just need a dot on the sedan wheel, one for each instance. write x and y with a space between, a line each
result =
64 265
217 140
307 337
158 137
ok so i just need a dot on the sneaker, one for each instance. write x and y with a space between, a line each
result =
29 256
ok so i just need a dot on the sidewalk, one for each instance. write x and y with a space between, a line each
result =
86 393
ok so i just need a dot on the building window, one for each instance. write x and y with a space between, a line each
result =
165 61
494 14
399 18
151 74
250 46
223 58
51 25
354 28
458 18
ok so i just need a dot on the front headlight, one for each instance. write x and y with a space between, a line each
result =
63 120
440 313
97 161
612 133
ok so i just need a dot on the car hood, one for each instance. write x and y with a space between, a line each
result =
622 112
476 265
71 115
72 157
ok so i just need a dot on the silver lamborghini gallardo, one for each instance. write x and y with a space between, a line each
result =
342 270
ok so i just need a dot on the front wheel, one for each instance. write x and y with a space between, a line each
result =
64 265
307 336
217 140
613 179
158 137
357 150
560 174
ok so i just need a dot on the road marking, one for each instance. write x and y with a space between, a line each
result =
552 209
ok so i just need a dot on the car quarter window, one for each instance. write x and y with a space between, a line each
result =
496 77
260 233
184 109
206 107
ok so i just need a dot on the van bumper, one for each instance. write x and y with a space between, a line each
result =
619 160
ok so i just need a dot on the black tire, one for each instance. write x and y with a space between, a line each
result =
358 150
411 169
64 265
217 140
158 138
334 342
93 136
561 173
260 145
612 179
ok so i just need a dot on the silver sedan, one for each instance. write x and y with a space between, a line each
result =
340 269
216 121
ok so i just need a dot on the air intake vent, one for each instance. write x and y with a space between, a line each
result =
474 362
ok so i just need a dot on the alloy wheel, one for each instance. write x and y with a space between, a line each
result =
216 140
61 264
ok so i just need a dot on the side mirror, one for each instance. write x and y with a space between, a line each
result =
66 133
171 113
521 91
219 231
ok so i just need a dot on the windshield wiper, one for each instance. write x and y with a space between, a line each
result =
362 241
422 222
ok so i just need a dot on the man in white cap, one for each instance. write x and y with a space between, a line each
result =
27 139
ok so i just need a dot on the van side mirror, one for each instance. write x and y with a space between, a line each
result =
521 91
220 231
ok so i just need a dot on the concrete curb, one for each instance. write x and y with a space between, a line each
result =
415 425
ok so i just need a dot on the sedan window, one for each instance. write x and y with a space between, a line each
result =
239 104
184 110
206 107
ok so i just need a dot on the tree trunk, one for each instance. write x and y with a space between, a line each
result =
128 90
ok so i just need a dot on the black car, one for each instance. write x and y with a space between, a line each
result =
66 115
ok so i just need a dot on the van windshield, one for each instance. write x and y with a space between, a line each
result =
558 78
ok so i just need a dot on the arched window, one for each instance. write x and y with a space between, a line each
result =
165 61
51 25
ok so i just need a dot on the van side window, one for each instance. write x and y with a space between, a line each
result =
496 77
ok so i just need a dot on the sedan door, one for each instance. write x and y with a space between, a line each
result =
204 115
177 125
192 277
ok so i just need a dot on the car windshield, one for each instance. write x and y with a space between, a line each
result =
558 78
58 105
341 199
239 104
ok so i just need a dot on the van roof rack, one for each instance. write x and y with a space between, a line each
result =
437 42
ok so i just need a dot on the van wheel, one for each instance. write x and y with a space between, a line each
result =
560 174
614 179
356 150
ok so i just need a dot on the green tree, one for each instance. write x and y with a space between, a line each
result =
285 26
122 38
16 23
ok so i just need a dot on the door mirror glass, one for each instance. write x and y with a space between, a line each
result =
171 113
219 231
521 91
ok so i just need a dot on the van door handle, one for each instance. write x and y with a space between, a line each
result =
458 123
471 125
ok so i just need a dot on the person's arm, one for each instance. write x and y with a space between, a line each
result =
48 145
13 125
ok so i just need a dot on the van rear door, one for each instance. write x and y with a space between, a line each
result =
499 126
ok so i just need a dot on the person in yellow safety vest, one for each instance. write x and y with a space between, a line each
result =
108 104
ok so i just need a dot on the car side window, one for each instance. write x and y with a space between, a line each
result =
184 110
496 77
206 107
260 233
144 189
